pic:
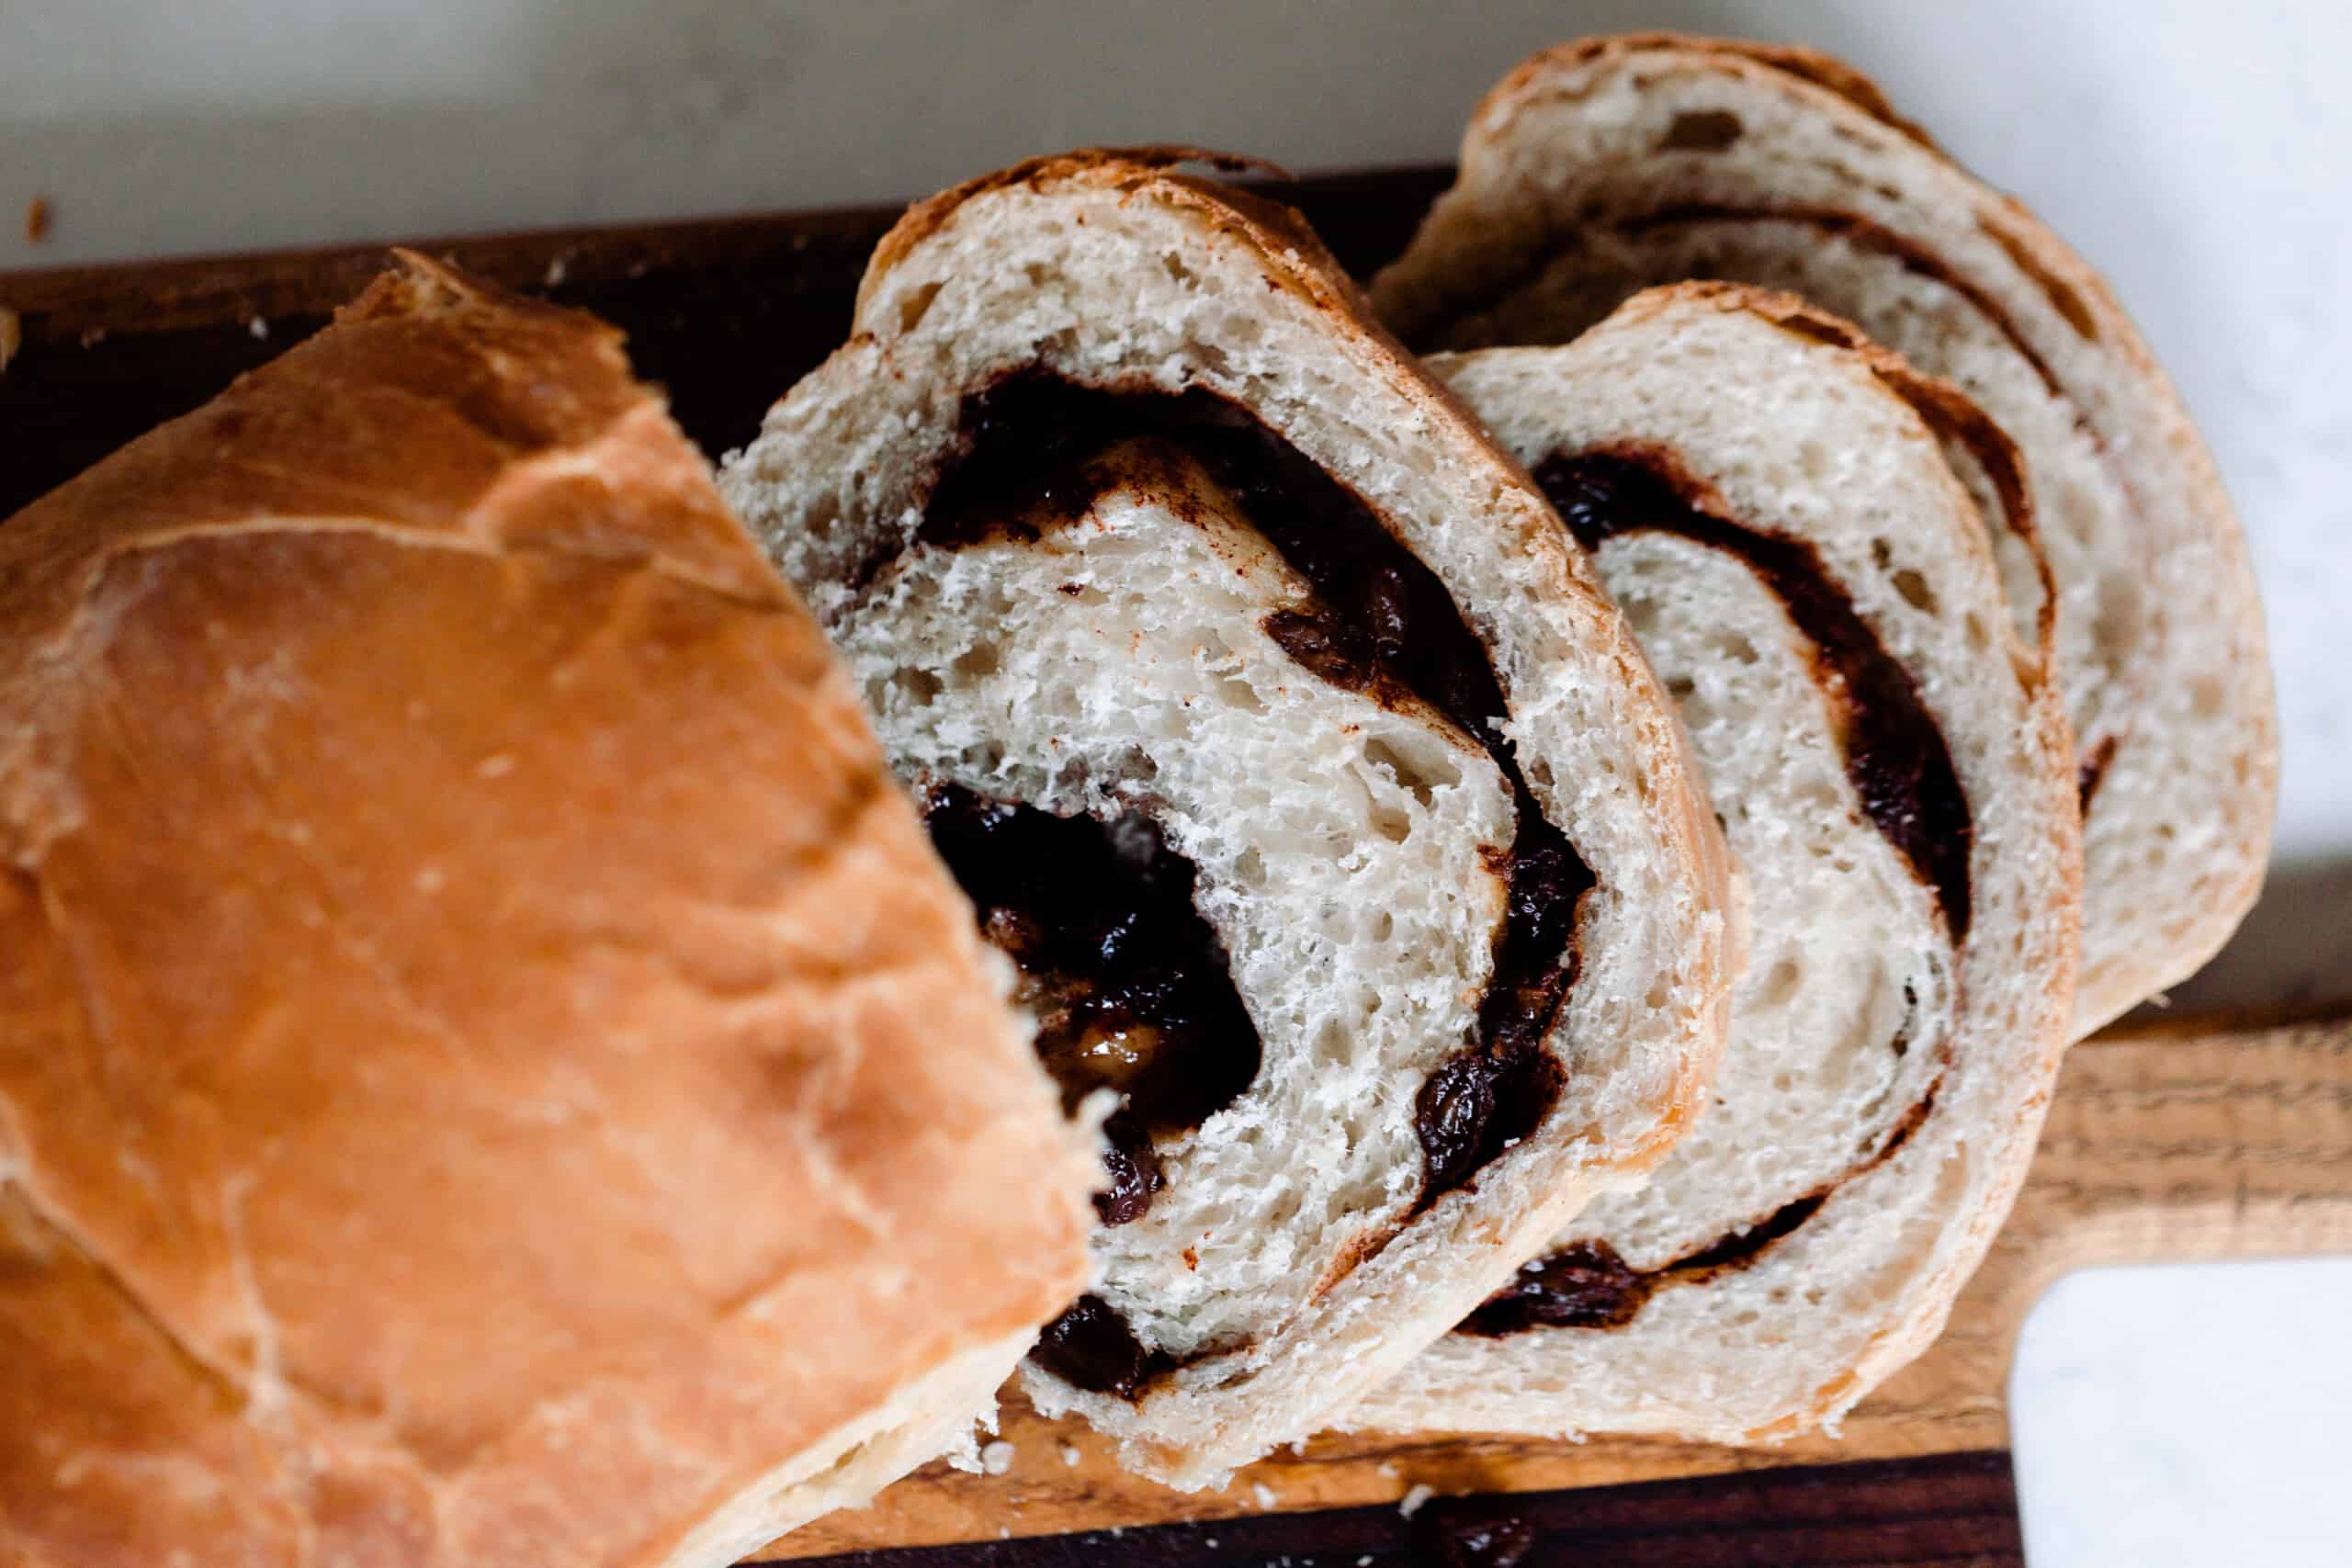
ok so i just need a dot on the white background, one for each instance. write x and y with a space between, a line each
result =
2194 150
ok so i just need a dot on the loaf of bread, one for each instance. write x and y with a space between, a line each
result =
1288 746
1601 167
1766 498
490 1070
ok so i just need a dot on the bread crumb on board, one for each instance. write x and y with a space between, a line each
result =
996 1459
39 218
1420 1491
259 327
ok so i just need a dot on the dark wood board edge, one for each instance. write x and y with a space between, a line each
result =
1939 1512
724 314
1353 210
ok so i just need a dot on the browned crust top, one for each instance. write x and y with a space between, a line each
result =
490 1068
1823 71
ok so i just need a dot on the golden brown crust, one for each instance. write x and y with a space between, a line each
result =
1114 168
490 1069
1826 71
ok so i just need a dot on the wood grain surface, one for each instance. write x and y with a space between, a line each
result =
1947 1511
2183 1140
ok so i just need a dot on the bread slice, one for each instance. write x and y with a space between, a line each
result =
1601 167
1249 679
1767 501
491 1072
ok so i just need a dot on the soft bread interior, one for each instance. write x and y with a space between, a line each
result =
1604 166
1119 662
1847 1005
2086 525
1874 1067
1135 281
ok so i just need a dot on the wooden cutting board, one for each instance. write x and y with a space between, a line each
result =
2192 1140
2196 1139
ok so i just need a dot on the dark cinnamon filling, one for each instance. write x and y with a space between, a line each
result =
1381 620
1025 445
1901 768
1091 1346
1896 753
1589 1285
1129 983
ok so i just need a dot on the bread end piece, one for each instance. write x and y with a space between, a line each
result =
490 1070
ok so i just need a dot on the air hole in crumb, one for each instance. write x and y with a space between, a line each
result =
1881 554
1418 784
1915 590
1239 695
921 685
976 662
912 308
1249 868
1036 272
1780 984
1680 687
1383 926
1978 637
1702 131
1176 268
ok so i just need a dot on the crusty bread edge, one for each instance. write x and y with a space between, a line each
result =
1296 260
1835 87
1940 406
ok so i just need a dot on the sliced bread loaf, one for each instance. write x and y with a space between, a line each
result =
1766 498
1601 167
1290 748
